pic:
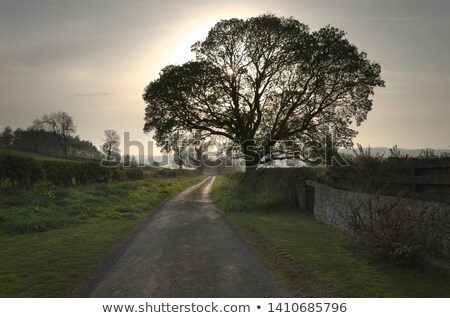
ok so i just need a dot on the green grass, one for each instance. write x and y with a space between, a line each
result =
314 260
53 240
33 155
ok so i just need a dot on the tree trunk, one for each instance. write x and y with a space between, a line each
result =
252 157
199 158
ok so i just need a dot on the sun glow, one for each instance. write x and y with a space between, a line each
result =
190 32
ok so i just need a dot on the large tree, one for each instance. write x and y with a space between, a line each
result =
261 82
61 124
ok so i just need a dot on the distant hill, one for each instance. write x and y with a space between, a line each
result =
385 151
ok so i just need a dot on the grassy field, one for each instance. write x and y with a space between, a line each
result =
314 260
33 155
53 240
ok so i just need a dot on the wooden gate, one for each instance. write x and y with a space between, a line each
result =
309 199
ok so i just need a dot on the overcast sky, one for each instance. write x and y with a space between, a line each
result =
94 58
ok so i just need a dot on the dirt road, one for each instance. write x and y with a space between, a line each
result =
187 249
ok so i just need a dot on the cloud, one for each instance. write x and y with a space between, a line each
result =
94 94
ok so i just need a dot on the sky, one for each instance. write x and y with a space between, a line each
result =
94 58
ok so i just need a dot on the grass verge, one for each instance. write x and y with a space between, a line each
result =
53 240
314 260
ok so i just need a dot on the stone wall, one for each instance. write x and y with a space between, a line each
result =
333 207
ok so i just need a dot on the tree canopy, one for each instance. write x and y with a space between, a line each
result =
262 82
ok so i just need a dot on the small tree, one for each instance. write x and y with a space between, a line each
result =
7 137
61 124
110 147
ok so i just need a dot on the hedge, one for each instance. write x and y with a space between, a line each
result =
23 172
61 173
133 174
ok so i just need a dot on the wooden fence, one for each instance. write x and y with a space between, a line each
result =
428 179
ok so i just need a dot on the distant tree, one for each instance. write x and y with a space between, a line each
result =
35 133
84 148
36 125
61 124
41 138
261 81
428 153
33 140
394 152
129 161
111 143
134 162
7 137
126 160
189 148
204 146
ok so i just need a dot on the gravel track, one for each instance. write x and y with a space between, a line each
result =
187 249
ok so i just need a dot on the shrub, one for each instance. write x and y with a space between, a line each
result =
368 170
116 174
21 171
133 174
392 227
271 200
170 173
